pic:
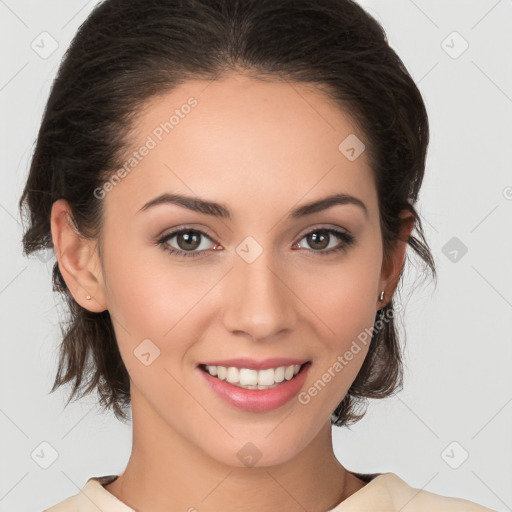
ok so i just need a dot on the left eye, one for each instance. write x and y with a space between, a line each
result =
318 237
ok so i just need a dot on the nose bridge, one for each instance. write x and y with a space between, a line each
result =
260 304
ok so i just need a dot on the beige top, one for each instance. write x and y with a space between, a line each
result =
385 492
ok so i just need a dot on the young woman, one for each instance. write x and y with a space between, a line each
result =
229 188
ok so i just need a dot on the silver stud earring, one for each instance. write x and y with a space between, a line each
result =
381 297
88 297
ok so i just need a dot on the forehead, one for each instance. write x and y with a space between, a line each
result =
239 139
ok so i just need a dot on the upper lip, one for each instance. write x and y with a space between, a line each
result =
253 364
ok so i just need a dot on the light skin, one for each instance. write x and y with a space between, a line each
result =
262 149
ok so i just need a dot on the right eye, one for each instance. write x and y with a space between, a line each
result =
188 240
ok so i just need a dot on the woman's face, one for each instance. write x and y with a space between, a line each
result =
264 282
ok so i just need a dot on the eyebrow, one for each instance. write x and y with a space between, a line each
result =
222 211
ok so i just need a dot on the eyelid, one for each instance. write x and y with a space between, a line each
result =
192 227
165 233
321 226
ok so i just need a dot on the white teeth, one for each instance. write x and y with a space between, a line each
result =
249 378
288 373
254 379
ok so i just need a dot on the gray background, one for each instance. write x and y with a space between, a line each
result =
458 392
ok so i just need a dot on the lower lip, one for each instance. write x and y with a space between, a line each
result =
255 400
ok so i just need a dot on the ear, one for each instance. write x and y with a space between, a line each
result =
78 259
392 267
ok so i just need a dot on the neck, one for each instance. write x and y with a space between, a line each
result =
166 472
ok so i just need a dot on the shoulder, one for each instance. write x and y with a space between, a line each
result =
411 499
91 498
387 492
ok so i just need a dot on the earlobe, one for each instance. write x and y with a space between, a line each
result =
78 259
392 268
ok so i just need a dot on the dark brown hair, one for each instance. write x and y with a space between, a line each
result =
128 51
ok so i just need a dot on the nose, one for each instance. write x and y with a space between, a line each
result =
259 302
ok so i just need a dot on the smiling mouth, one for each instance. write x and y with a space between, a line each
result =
254 379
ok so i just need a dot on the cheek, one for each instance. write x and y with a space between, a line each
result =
344 299
151 298
349 317
344 296
147 292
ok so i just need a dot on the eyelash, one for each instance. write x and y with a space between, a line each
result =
348 240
